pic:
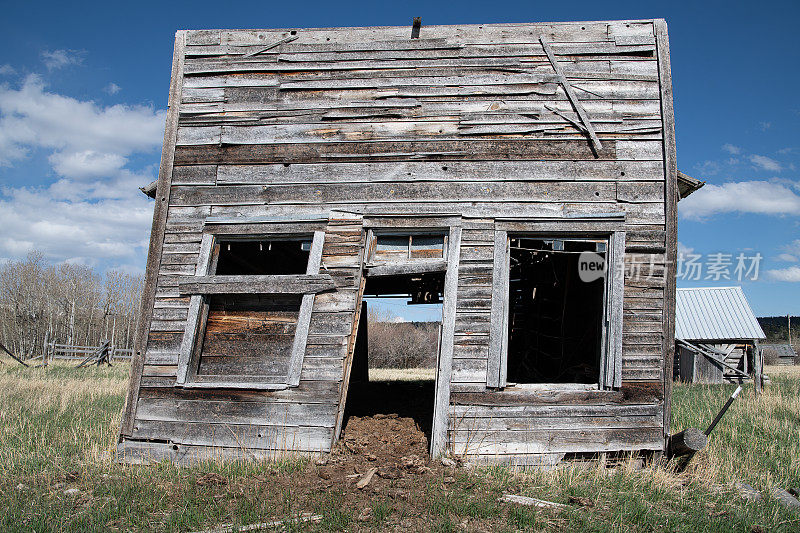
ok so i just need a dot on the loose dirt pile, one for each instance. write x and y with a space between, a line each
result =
376 449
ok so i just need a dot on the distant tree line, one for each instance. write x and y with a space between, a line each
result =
394 344
66 303
776 328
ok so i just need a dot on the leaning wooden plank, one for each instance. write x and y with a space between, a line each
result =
444 372
280 524
281 284
157 233
304 317
572 97
17 359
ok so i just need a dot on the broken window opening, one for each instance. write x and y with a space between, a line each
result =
556 313
263 257
247 337
394 363
400 247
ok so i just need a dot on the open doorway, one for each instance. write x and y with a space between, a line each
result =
397 349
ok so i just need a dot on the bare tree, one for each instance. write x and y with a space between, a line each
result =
65 303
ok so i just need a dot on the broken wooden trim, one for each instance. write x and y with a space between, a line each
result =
304 316
279 284
273 45
587 124
531 502
406 267
280 524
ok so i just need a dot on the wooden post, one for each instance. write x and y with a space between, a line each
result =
687 442
758 368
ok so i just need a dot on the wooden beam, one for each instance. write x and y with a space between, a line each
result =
142 331
573 98
196 308
406 267
441 406
283 284
304 317
499 312
671 207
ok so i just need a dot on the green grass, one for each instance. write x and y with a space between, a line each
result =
58 431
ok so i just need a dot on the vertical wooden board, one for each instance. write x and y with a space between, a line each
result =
156 234
306 307
616 273
499 313
445 367
195 308
671 201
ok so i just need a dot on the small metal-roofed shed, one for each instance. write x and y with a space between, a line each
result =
717 336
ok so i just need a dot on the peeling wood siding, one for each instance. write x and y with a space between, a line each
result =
467 120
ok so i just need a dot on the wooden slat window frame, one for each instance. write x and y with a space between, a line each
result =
201 285
372 240
611 360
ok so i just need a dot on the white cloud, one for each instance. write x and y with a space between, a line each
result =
684 250
731 149
112 88
32 117
55 59
86 163
7 70
708 168
765 163
760 197
63 229
765 125
93 211
789 258
791 274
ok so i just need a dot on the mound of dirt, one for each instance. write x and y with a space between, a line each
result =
376 449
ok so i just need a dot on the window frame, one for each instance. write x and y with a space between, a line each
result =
611 344
202 285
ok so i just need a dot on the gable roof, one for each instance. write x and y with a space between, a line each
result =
715 313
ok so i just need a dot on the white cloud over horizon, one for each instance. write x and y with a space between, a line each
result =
91 210
756 197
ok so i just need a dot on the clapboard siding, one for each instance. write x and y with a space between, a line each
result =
467 120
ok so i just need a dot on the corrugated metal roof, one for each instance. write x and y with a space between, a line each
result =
715 313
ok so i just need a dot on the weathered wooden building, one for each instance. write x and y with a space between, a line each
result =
717 336
511 171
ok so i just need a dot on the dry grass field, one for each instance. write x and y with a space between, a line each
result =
58 431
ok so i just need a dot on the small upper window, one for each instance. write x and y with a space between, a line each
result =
404 247
263 257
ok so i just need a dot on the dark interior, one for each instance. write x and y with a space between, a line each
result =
555 318
264 257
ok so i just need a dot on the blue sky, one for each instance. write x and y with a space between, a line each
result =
83 89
